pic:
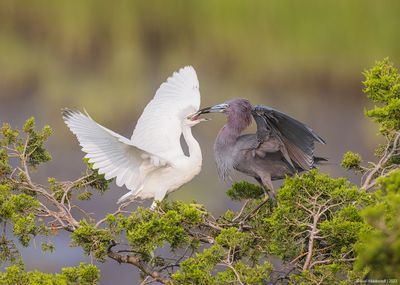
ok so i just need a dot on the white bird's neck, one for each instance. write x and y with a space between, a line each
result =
193 145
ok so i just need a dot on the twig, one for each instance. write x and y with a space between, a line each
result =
234 271
241 211
254 210
367 184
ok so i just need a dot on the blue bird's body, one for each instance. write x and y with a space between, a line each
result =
281 146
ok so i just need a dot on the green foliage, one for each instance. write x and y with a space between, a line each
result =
248 274
82 275
48 246
94 180
232 237
342 231
216 265
19 201
147 230
326 274
24 228
351 160
197 270
84 196
332 202
9 135
19 210
56 188
85 274
5 168
35 149
91 179
244 190
94 241
390 184
8 250
32 147
382 85
379 249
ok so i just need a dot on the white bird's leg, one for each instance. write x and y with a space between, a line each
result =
158 197
126 197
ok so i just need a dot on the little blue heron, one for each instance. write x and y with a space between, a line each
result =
151 163
281 146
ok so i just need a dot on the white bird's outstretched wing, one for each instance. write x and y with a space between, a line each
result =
112 154
159 128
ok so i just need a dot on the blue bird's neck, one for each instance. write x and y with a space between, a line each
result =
235 125
224 148
228 135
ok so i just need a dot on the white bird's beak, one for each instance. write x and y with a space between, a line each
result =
195 117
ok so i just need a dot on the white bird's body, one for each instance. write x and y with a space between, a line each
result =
163 180
151 163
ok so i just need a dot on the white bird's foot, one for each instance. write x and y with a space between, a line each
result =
154 205
158 197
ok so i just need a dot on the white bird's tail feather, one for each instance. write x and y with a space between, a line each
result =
113 155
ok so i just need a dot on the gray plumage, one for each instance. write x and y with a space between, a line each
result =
281 146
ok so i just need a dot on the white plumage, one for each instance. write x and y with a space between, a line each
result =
152 163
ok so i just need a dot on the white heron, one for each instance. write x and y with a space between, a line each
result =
152 163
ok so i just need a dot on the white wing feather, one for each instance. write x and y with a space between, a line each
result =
155 142
159 128
112 154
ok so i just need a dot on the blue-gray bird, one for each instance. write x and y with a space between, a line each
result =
281 146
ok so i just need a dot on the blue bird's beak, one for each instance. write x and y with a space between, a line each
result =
220 108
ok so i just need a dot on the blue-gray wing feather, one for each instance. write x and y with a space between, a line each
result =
297 137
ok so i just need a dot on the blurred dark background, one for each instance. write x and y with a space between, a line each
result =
302 57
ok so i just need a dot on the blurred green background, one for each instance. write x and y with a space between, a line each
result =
302 57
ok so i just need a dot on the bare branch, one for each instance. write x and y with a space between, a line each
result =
133 260
249 215
233 270
241 211
313 233
390 150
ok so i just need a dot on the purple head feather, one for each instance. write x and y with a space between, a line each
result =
238 114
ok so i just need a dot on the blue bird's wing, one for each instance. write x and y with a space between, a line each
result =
297 138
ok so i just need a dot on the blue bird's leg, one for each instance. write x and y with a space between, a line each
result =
266 182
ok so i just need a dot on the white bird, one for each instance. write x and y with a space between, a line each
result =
151 164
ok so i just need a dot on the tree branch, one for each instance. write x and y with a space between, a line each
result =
314 231
133 260
367 184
